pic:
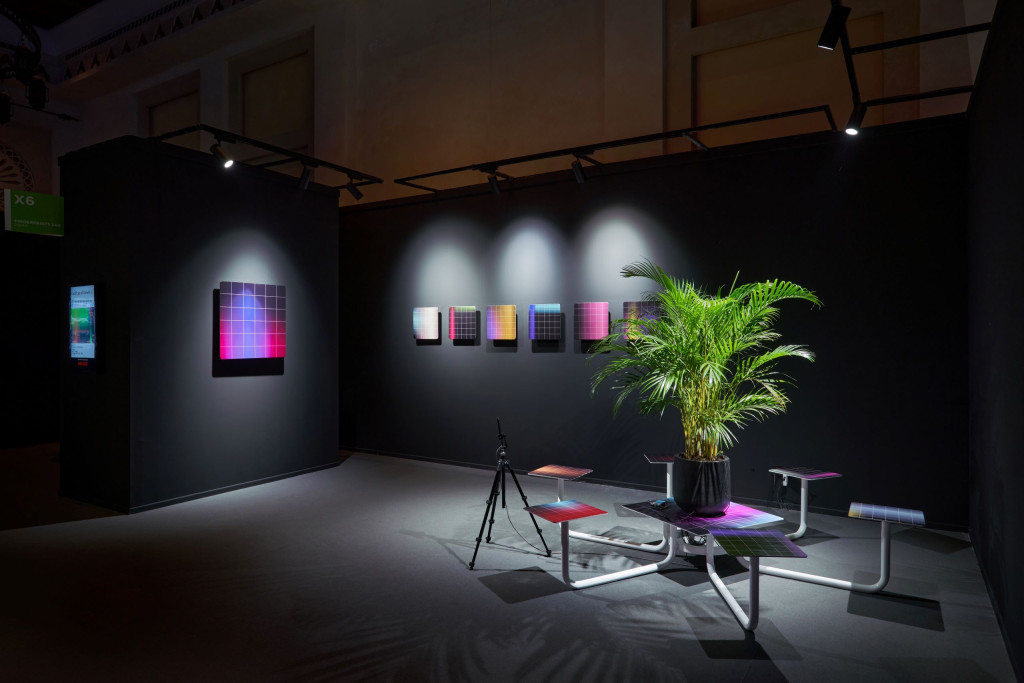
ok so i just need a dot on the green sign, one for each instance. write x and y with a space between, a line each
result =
42 214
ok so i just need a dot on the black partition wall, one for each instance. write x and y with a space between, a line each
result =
996 146
874 225
162 419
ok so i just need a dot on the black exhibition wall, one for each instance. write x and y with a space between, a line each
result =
875 225
159 227
29 338
996 214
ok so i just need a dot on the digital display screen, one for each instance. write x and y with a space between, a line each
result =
82 318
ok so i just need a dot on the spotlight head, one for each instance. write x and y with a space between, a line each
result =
493 180
577 170
37 94
218 151
856 118
833 26
354 191
307 172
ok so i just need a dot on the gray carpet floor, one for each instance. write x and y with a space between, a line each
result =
359 573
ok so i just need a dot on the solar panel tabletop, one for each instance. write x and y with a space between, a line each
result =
736 517
883 513
756 543
804 473
559 472
564 511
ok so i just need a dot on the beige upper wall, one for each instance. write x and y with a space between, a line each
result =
401 88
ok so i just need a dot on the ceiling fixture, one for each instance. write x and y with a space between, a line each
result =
218 151
356 193
856 118
834 26
577 170
493 180
282 156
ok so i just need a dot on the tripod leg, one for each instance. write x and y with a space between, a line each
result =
527 504
492 502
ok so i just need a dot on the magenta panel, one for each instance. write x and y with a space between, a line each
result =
591 320
252 320
564 511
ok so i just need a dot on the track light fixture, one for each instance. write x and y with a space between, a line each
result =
353 190
577 170
307 172
218 151
856 118
834 26
493 180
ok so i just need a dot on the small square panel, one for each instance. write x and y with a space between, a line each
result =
546 322
564 511
591 320
501 322
804 473
424 322
884 513
639 310
242 321
756 543
559 472
462 322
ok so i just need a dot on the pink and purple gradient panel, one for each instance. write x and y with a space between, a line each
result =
591 318
252 320
564 511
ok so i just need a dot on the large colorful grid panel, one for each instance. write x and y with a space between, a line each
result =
639 310
591 320
756 543
424 322
462 322
736 517
883 513
545 322
559 472
252 320
804 473
501 322
564 511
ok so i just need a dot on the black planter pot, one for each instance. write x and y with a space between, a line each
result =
702 488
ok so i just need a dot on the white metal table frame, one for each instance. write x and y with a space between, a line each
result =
884 568
670 533
803 475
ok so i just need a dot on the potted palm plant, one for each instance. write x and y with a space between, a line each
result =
711 357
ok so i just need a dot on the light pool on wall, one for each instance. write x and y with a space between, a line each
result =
462 322
545 322
252 320
424 322
591 320
501 322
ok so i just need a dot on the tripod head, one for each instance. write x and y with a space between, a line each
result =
502 443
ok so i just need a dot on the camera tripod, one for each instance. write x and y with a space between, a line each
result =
492 500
